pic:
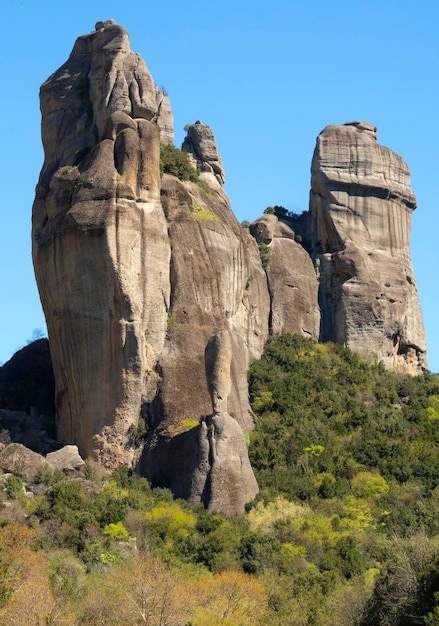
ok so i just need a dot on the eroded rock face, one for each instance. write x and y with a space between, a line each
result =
100 243
361 205
218 321
292 280
200 144
137 276
155 297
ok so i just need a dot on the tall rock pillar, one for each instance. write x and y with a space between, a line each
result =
361 205
100 244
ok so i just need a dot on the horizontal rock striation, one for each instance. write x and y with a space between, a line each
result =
361 205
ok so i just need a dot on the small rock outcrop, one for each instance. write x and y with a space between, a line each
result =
200 144
291 277
19 460
361 206
66 459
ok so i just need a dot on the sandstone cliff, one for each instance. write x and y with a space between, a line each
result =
292 279
361 207
103 283
138 275
156 299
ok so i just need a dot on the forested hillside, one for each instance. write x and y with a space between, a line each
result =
343 532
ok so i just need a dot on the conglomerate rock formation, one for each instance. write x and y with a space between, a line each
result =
361 210
291 277
136 274
156 299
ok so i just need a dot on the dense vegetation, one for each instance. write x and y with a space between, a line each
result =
174 161
344 531
359 447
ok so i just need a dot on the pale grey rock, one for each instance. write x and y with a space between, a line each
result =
294 289
200 144
19 460
218 322
100 243
268 226
292 280
66 459
361 204
224 480
164 117
264 228
218 358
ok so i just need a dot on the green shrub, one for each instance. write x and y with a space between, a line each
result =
138 432
331 426
176 163
14 487
264 253
44 475
116 532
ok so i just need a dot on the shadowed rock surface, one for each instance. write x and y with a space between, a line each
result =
26 380
361 205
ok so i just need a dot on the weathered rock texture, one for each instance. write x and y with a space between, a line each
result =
100 243
19 460
361 206
136 275
200 144
218 294
66 459
156 299
292 280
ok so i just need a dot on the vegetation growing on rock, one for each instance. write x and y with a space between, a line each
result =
174 161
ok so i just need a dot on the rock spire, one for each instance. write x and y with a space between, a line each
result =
156 299
361 206
138 274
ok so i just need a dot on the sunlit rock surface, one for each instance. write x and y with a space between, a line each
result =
136 274
362 204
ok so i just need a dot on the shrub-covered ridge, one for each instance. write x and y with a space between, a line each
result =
343 532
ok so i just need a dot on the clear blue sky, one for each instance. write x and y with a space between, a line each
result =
267 76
